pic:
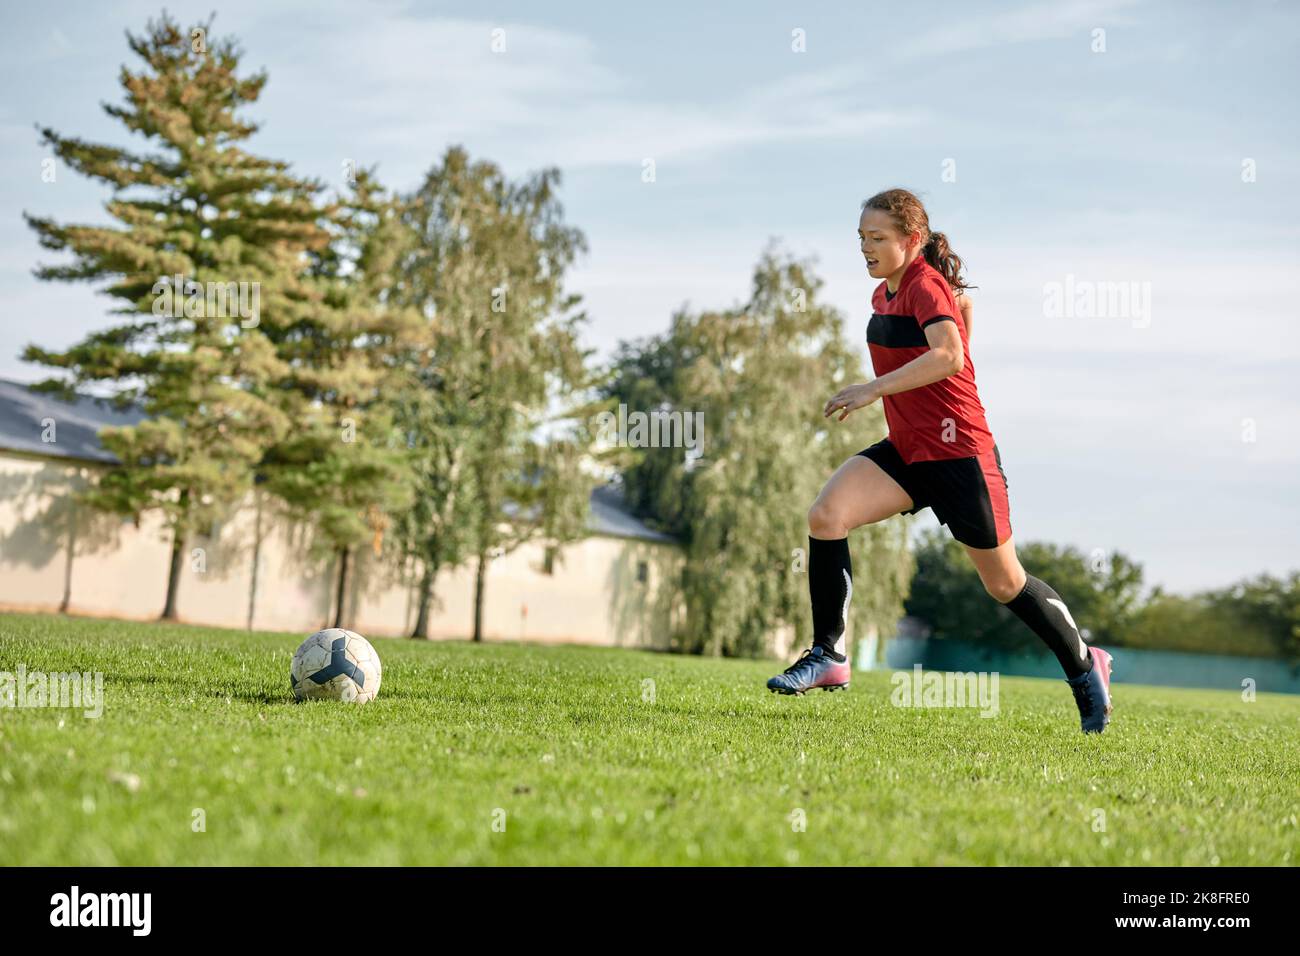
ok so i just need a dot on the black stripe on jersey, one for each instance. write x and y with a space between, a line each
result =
900 331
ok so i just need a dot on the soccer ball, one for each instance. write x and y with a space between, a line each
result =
335 664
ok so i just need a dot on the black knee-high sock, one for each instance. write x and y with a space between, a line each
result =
1046 614
830 582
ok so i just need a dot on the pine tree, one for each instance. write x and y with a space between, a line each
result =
346 469
206 254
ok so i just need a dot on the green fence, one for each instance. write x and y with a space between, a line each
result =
1132 666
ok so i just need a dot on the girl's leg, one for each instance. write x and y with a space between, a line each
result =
1034 602
858 493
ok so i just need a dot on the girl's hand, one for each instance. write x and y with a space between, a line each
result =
851 399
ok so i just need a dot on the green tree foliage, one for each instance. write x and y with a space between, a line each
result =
1195 625
1258 617
759 374
1272 604
1103 593
487 406
1267 603
345 469
1255 618
193 204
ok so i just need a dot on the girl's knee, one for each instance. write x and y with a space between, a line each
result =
1001 591
1004 587
825 521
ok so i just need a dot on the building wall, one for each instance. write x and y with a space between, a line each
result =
592 596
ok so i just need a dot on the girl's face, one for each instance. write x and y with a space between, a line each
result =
883 246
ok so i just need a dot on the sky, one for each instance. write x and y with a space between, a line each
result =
1063 147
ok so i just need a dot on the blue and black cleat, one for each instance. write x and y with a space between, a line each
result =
814 668
1092 693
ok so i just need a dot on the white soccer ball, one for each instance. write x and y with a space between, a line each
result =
335 664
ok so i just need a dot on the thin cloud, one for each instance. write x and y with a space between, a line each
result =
549 98
1044 21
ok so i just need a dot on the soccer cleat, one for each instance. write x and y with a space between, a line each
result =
1092 693
814 668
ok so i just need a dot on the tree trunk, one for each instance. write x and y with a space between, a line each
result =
67 567
479 581
178 543
421 629
343 587
173 579
257 560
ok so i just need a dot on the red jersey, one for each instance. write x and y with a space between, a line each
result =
945 418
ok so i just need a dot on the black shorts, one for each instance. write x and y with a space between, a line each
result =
969 495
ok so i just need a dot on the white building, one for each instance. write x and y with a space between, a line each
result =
618 586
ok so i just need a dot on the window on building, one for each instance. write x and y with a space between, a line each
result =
642 572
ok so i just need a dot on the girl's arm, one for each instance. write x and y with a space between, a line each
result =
967 312
943 358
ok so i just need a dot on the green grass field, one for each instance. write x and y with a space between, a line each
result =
561 744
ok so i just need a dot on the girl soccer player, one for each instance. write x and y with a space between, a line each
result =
939 454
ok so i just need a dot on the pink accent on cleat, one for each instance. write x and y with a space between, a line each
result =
1103 660
834 677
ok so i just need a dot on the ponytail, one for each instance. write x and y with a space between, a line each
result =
947 263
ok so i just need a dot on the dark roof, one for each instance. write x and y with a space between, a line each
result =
78 423
610 515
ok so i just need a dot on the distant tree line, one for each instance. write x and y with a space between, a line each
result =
1259 617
